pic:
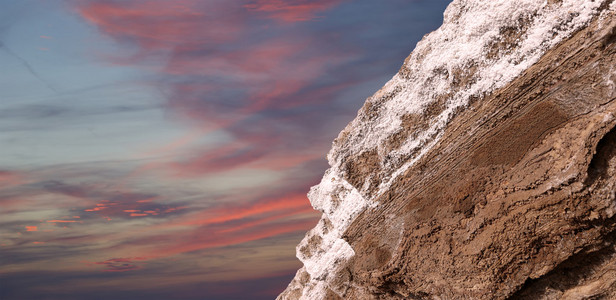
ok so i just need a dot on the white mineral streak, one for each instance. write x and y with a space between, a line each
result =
469 32
340 203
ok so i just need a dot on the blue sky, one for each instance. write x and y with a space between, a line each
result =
163 149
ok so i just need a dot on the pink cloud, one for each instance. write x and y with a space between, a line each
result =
120 264
271 219
204 240
63 221
292 11
217 54
223 226
9 179
199 40
162 24
131 208
220 72
226 213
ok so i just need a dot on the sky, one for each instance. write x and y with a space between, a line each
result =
163 149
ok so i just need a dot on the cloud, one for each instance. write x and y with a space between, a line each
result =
120 202
224 69
120 264
220 226
226 213
292 11
63 221
271 219
250 78
164 25
176 228
205 239
10 179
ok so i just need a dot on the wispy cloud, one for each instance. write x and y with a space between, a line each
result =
120 264
163 25
292 11
10 179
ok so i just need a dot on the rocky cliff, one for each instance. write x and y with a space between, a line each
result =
485 169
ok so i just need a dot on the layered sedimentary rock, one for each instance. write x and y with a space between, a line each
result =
485 169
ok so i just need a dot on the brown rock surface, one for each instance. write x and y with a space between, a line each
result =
516 200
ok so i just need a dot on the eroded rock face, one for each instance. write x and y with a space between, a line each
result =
485 169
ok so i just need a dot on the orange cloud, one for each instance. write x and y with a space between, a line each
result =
127 203
31 228
96 208
178 243
212 241
271 219
224 226
231 213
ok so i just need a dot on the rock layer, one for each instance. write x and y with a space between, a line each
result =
489 174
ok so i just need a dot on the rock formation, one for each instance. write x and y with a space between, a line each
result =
485 169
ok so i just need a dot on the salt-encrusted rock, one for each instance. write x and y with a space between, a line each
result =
485 169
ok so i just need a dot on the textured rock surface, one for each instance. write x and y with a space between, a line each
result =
485 169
